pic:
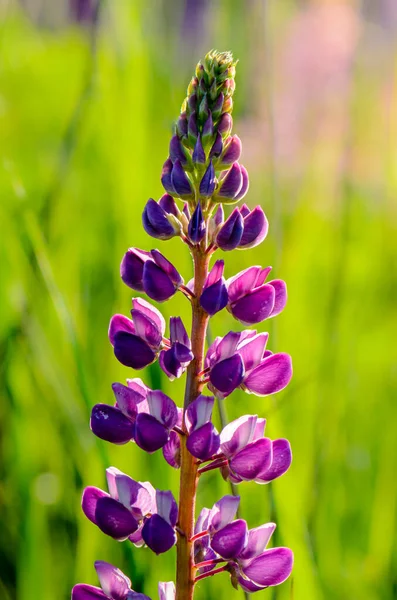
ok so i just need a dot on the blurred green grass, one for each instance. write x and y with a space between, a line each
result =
83 139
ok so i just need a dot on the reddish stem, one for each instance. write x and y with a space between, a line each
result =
214 465
198 536
210 574
209 563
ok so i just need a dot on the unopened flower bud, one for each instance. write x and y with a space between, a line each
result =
208 182
196 230
181 182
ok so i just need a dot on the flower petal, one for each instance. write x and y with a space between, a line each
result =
114 519
214 298
146 329
150 435
132 351
134 496
155 221
256 227
281 461
280 300
131 268
258 539
272 375
151 312
89 501
230 233
178 332
223 512
203 442
227 374
167 506
129 401
156 283
172 450
167 590
237 434
245 281
119 323
252 350
113 581
270 568
162 408
158 534
229 541
252 459
82 591
256 306
109 424
199 412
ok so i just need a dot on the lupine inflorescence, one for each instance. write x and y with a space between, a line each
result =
203 173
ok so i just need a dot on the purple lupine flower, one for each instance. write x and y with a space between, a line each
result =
198 152
251 300
167 590
166 178
230 185
172 450
150 272
250 456
196 229
119 513
231 153
256 568
153 428
175 360
137 341
180 182
208 182
203 440
241 359
255 226
116 424
214 297
114 585
230 233
158 531
160 219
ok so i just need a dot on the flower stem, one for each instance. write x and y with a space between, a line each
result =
189 476
210 573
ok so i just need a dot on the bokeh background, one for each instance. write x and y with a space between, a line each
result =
88 96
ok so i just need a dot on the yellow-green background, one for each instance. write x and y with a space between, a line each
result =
85 120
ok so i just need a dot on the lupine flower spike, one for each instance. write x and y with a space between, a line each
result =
201 176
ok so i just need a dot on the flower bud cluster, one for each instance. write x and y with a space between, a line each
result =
203 174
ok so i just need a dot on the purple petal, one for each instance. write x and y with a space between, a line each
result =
203 442
245 281
146 329
113 581
171 363
134 496
208 182
280 300
249 586
270 568
119 323
162 408
217 146
167 267
131 268
258 539
223 512
82 591
252 460
111 474
259 430
150 311
252 350
136 596
208 128
237 434
167 590
255 307
225 124
256 227
166 179
150 435
181 182
196 228
109 424
203 521
232 152
178 332
155 222
244 210
272 375
227 375
168 204
198 152
129 401
192 127
281 462
229 235
245 184
158 534
214 298
89 501
156 283
172 450
215 274
231 184
229 541
219 216
176 151
132 351
114 519
199 412
227 346
167 507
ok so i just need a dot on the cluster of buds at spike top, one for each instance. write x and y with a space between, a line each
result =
204 173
